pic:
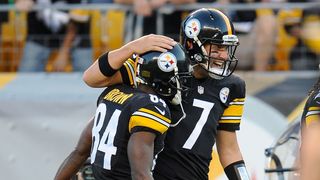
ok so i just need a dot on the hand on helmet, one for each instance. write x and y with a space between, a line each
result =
151 42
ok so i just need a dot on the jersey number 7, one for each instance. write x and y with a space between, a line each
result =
206 106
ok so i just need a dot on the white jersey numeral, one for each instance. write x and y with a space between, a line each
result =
105 144
206 106
156 99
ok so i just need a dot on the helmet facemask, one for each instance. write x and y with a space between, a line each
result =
217 67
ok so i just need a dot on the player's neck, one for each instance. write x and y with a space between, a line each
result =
145 89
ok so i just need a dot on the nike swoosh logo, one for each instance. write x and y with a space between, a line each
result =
161 112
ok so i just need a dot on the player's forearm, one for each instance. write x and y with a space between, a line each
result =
229 155
228 148
70 166
93 76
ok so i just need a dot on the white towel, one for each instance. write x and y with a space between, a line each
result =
53 19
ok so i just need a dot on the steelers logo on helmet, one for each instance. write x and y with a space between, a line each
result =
167 62
192 28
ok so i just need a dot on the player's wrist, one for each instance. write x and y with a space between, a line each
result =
104 65
237 171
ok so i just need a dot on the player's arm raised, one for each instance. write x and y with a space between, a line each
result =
104 71
77 157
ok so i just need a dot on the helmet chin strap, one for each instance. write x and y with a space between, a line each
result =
177 99
196 39
181 118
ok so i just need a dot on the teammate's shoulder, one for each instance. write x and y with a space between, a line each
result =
237 86
234 78
314 98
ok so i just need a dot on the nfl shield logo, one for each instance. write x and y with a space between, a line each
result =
200 89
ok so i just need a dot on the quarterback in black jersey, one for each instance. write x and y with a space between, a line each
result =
129 126
213 104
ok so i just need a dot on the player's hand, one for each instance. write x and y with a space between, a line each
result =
151 42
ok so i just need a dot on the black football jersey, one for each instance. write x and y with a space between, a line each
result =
210 105
122 111
311 110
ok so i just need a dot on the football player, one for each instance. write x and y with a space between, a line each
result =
310 123
213 104
129 126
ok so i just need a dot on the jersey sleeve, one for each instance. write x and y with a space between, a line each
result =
231 118
152 118
312 109
128 72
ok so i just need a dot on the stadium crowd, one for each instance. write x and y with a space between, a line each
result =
51 40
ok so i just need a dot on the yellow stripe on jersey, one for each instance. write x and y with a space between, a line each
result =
155 114
226 20
129 64
312 118
314 109
234 112
147 122
239 100
230 121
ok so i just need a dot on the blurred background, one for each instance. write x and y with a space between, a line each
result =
45 45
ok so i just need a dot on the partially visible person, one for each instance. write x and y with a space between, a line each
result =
3 18
310 124
297 48
171 19
3 14
130 124
305 55
54 30
256 30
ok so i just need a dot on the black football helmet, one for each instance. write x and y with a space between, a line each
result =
210 26
160 71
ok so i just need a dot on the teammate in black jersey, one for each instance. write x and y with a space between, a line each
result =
214 103
311 110
129 126
310 123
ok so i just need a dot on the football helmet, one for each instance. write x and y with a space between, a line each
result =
212 27
160 71
283 157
